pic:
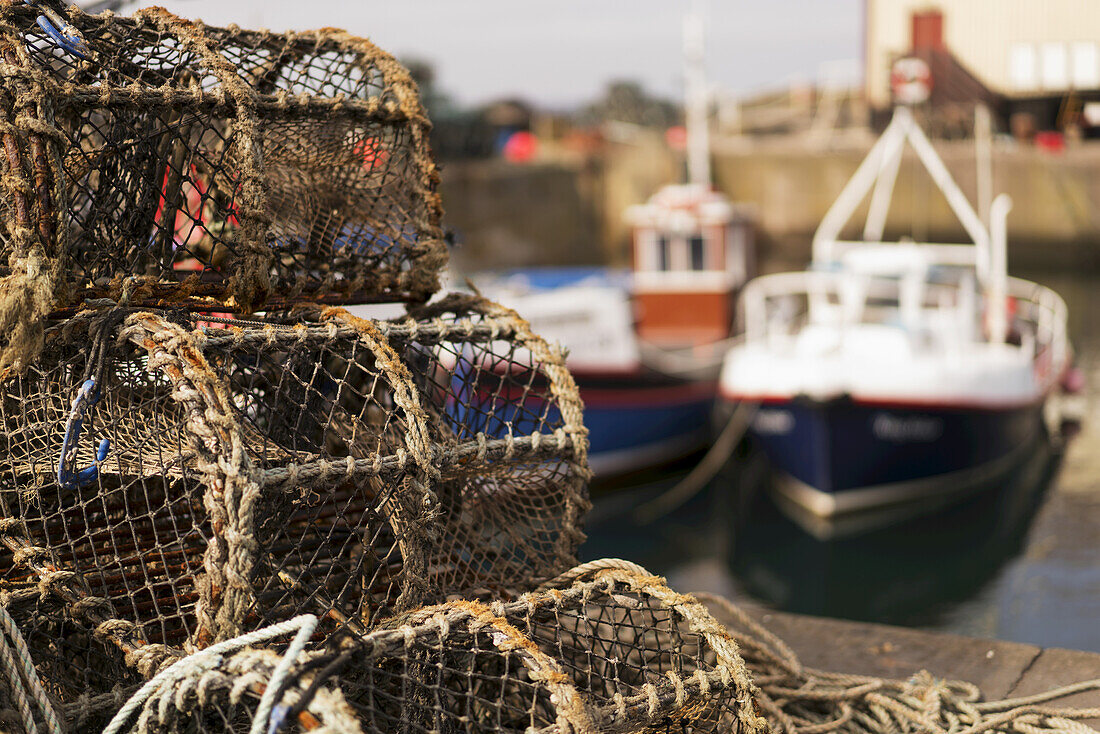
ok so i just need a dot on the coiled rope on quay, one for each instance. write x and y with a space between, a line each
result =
793 698
800 700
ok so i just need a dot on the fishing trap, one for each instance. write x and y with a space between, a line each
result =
211 165
617 651
172 486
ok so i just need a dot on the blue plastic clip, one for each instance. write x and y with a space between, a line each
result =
60 30
85 398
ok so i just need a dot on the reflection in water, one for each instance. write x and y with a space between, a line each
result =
906 566
909 567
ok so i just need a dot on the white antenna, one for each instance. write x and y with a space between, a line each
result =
983 135
698 137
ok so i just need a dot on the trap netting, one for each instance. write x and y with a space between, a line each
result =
216 164
166 486
617 651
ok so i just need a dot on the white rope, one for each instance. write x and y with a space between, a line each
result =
263 713
208 658
15 682
23 669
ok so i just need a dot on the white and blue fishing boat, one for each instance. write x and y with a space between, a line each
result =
891 372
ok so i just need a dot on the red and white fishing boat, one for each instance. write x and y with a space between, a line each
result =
646 345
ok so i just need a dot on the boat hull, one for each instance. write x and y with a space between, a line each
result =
842 455
639 421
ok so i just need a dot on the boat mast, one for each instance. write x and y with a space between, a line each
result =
698 134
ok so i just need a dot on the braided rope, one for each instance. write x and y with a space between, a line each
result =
232 487
15 685
193 665
591 568
799 700
22 670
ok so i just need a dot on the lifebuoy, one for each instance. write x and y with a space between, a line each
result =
911 80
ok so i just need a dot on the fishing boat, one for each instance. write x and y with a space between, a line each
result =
645 345
892 372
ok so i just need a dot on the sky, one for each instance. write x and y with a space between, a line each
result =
563 54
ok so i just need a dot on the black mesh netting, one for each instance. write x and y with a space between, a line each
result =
210 164
173 482
616 652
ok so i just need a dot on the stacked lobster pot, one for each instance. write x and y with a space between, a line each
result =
227 503
198 441
614 651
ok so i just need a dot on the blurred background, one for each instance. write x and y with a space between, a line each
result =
551 122
548 124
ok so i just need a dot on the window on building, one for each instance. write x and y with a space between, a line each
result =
1085 65
698 253
1054 63
662 253
1023 67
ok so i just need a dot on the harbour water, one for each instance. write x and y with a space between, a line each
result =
1018 560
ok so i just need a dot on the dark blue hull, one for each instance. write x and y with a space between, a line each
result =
843 455
638 421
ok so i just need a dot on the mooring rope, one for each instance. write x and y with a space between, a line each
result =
800 700
715 458
212 657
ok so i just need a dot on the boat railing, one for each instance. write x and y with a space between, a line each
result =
935 253
842 298
1042 311
839 298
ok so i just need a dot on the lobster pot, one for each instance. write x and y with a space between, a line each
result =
236 491
262 471
512 458
217 164
618 653
644 657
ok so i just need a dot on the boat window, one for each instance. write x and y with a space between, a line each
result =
662 253
696 244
